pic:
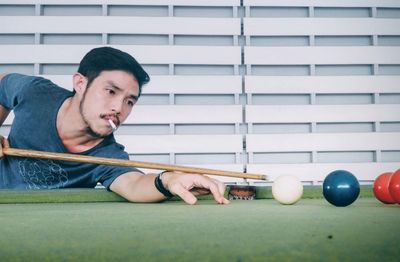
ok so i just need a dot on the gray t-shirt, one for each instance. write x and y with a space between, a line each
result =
35 102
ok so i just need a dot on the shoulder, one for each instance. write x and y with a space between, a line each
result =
110 148
40 85
27 82
16 79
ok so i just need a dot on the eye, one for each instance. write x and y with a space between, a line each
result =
110 91
130 103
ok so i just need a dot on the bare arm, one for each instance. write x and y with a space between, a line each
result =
136 187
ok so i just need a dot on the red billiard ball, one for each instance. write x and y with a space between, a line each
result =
381 188
394 186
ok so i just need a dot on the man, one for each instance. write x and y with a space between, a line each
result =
49 118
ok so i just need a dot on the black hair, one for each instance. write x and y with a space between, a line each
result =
107 59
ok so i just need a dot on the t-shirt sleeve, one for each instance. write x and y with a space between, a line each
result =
11 87
109 173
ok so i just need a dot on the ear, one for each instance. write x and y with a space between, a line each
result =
80 83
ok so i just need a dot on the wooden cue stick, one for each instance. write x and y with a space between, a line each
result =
123 162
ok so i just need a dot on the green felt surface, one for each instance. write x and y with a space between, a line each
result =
102 195
259 230
74 195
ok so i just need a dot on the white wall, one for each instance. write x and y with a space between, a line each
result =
265 69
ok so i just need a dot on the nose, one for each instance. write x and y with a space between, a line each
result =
117 106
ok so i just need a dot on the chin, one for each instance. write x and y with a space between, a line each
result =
97 134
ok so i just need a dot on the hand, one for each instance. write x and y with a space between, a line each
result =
188 186
3 143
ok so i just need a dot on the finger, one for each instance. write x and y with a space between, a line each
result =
221 186
200 191
226 201
183 193
215 192
212 185
221 189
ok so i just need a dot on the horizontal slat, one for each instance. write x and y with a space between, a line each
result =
321 84
165 84
299 3
322 142
119 25
156 114
321 113
153 144
320 26
180 114
323 3
215 55
126 2
318 171
257 55
194 85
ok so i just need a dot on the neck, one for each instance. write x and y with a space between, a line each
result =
71 127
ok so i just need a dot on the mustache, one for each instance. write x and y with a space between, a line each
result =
102 116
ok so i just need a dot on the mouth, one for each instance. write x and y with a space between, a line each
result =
112 121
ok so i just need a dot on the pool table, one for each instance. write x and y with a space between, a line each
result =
96 225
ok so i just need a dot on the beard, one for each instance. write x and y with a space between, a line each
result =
89 130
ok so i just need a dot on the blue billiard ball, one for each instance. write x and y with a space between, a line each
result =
341 188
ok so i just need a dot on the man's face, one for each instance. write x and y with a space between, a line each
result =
110 96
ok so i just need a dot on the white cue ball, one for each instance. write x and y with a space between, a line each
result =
287 189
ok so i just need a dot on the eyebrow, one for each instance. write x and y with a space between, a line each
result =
113 85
